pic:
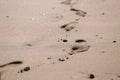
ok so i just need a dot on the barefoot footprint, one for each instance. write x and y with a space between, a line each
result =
79 12
69 2
8 66
69 26
79 46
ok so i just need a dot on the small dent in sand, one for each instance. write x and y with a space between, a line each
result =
77 19
114 41
49 58
118 76
63 58
103 13
101 37
7 16
91 76
103 51
65 40
96 35
80 40
63 26
28 44
24 70
71 53
21 71
75 48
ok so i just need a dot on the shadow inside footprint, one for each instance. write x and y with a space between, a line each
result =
11 63
80 48
28 44
75 48
24 70
63 58
80 40
91 76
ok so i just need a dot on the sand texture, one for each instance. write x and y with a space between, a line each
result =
59 39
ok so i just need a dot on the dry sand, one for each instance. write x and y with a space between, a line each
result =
59 40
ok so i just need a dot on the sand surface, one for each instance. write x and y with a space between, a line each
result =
59 39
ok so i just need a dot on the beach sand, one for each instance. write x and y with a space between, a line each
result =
59 39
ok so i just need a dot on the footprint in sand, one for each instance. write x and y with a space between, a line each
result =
79 46
69 26
7 66
56 17
79 12
69 2
69 48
